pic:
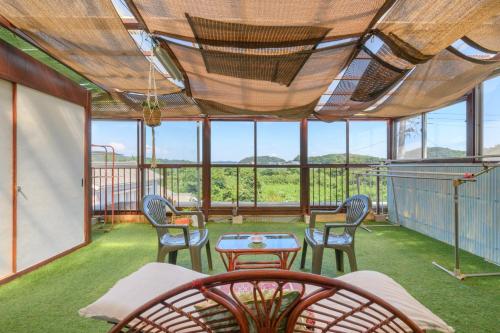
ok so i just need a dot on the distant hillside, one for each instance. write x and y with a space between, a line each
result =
341 158
169 161
263 160
435 152
441 152
495 150
98 156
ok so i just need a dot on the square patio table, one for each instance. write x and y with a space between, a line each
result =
232 246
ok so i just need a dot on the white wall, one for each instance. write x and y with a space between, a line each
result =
5 178
50 144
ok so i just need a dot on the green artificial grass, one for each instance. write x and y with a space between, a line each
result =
47 300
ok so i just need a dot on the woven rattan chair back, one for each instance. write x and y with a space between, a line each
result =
266 301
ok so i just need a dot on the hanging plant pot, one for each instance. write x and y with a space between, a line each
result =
151 113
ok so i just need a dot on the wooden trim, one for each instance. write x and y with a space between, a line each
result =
255 175
40 264
87 179
259 210
14 177
206 168
304 172
18 67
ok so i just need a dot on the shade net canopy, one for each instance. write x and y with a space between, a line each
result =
435 84
268 53
424 28
487 34
129 105
89 37
373 71
343 17
282 58
261 96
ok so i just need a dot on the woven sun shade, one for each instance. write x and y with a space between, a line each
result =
263 96
435 84
128 105
268 53
487 34
213 108
343 17
428 27
368 77
87 36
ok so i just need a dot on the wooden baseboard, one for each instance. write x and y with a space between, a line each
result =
14 276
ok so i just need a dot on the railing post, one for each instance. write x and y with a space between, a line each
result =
378 194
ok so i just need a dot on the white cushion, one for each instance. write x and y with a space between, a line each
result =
156 278
393 293
136 289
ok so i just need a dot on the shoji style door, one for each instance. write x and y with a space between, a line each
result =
50 172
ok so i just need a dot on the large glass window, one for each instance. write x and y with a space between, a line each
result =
232 186
409 138
367 141
232 142
176 142
326 142
491 116
446 135
121 135
278 143
278 186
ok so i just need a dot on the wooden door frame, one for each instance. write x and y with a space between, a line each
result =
19 68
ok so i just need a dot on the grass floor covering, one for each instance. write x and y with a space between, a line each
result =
47 300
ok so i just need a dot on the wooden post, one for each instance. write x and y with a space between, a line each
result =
304 170
206 173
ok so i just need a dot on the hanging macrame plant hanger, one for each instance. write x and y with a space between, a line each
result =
151 111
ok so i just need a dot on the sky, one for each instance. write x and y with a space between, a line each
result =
233 140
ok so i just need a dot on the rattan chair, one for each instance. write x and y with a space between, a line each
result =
266 301
357 207
155 209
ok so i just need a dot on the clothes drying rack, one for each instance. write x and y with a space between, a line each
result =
457 179
104 178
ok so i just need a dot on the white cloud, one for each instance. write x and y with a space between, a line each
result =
118 146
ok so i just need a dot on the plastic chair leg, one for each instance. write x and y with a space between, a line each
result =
304 254
209 256
339 259
196 259
352 260
172 257
162 253
317 260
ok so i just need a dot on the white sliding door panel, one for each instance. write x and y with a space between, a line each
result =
5 178
50 200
